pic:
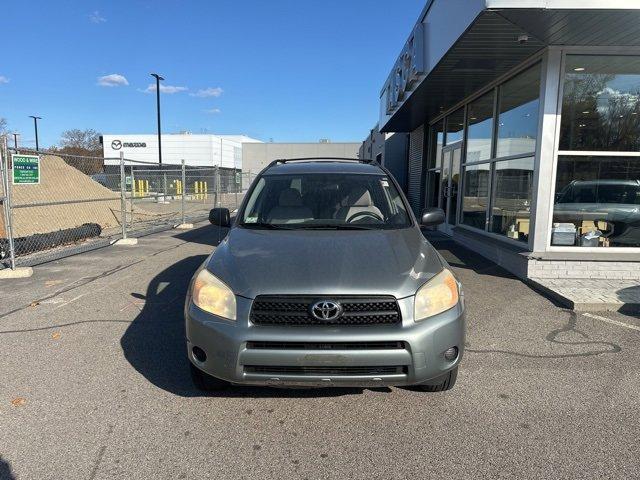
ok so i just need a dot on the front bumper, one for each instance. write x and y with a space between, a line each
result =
229 355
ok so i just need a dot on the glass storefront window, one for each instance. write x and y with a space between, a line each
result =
455 126
511 203
433 185
437 136
480 128
601 103
597 202
475 198
518 119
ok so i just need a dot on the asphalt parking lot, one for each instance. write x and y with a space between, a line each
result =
95 385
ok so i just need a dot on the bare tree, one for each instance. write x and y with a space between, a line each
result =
80 142
75 144
4 127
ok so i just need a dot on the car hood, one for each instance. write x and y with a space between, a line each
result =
324 262
602 211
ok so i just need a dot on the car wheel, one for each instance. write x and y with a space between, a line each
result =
206 382
446 382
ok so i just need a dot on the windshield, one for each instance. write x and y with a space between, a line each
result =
317 201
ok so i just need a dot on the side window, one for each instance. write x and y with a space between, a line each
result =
257 198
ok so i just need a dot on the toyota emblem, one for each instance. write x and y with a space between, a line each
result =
326 310
116 144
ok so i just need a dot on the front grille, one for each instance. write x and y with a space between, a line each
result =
296 311
334 371
325 345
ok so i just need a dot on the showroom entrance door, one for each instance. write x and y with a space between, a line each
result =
449 185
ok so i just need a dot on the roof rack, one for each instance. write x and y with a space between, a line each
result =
321 159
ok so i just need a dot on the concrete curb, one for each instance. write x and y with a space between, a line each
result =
566 302
127 241
20 272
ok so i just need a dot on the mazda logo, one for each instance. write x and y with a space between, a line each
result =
326 310
116 144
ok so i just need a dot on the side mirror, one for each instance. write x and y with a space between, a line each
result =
432 217
220 217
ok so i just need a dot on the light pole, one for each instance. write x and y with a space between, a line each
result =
15 141
35 124
158 78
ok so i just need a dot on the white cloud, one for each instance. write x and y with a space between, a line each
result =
213 110
96 17
208 92
169 89
3 79
113 80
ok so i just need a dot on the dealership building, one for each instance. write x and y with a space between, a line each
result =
224 151
523 120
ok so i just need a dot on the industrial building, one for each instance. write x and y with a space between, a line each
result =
390 150
223 151
256 156
523 119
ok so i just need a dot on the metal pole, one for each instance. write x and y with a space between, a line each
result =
35 124
184 183
123 205
15 141
216 189
235 181
133 191
164 185
8 214
158 78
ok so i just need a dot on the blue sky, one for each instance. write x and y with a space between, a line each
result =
291 70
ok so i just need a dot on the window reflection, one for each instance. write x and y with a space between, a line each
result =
480 129
518 119
597 202
601 103
437 133
476 195
511 206
455 126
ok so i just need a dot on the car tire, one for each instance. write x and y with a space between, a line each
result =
444 383
206 382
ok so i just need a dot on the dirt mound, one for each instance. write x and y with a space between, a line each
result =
64 186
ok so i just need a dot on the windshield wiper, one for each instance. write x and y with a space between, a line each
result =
335 227
269 226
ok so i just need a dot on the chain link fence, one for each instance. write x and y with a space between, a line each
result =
55 205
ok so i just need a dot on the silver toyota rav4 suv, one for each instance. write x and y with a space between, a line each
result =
325 279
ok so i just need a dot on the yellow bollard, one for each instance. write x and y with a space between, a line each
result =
133 189
196 190
146 182
205 190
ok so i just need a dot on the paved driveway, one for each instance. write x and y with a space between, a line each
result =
94 384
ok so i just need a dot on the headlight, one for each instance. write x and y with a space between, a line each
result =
213 296
436 296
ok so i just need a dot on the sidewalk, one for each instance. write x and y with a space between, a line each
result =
579 294
592 295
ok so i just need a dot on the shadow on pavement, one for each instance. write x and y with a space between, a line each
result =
5 470
631 298
461 257
205 235
154 343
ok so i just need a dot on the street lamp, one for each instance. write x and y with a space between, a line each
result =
35 124
158 78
